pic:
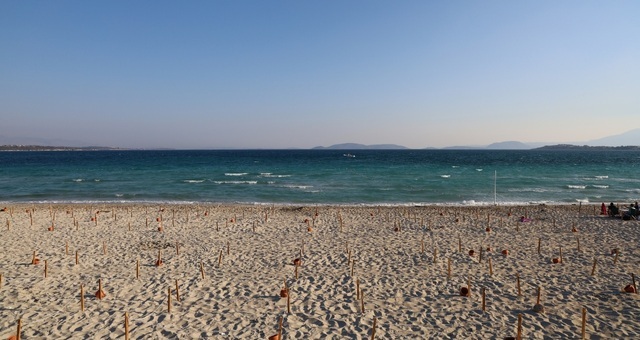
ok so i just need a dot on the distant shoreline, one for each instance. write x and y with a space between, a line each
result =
557 147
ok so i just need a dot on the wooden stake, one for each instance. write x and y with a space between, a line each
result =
77 258
519 334
220 258
66 248
126 326
138 269
373 329
169 300
289 303
593 270
435 255
483 300
82 298
459 244
518 284
296 272
539 244
228 248
280 327
104 248
201 270
177 291
449 268
539 293
615 259
633 279
357 289
584 323
19 329
45 268
469 286
578 239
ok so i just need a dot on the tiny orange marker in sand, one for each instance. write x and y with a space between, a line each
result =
18 331
34 259
505 252
284 292
51 228
159 260
100 293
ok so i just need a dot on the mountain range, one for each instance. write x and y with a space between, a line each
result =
629 138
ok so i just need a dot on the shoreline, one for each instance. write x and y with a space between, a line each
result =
405 265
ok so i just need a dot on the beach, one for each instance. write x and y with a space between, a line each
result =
191 271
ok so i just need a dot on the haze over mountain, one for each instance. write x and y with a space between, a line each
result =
629 138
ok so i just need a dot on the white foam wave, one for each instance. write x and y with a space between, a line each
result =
303 187
528 190
119 195
193 180
585 200
235 182
601 186
576 186
602 177
479 169
96 180
445 176
236 173
78 180
270 175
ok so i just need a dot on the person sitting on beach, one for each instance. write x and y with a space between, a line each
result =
632 212
613 210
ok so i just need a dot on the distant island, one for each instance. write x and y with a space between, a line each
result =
570 147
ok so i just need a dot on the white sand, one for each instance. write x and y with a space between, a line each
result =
410 296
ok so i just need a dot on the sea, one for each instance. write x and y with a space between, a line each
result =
321 177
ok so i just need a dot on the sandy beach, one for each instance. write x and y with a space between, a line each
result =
222 269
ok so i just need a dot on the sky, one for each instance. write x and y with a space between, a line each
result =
280 74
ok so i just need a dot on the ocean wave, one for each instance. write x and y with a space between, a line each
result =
479 169
601 186
270 175
236 173
528 190
445 176
78 180
235 182
293 186
602 177
193 180
576 186
584 200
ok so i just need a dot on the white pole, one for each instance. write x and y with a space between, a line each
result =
495 181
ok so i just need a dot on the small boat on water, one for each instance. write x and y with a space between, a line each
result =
349 155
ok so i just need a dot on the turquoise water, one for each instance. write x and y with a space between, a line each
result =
393 177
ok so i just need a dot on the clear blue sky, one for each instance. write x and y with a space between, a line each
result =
277 74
